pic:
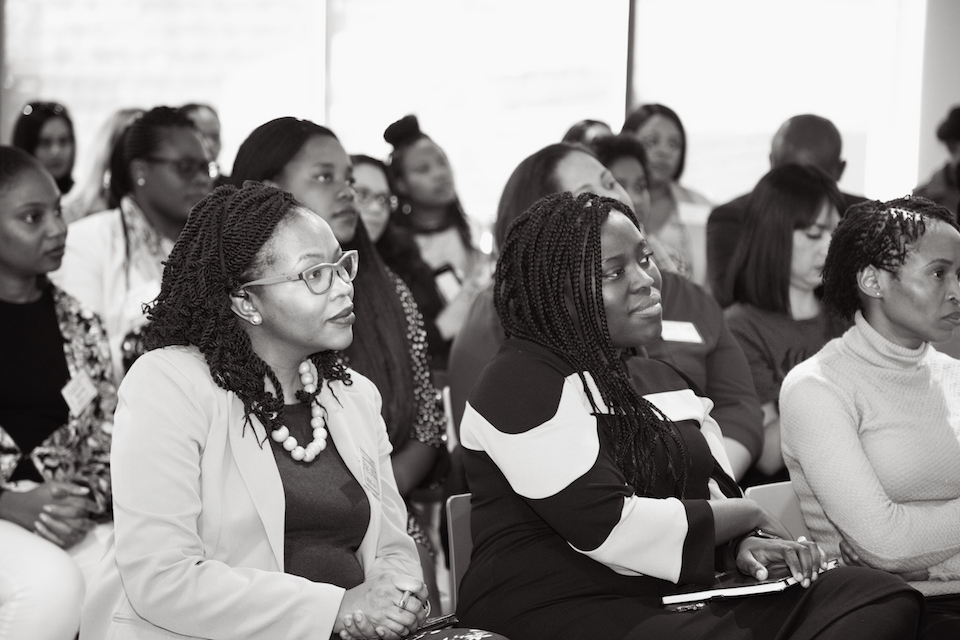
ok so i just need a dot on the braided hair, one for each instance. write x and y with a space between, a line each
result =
549 291
878 234
219 249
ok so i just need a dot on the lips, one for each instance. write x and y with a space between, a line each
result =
649 308
348 212
953 318
344 317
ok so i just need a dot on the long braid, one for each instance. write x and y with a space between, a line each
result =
216 252
552 256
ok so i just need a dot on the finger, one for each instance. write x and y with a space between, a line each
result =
808 564
65 511
790 556
45 532
84 505
363 626
65 489
399 618
748 564
408 583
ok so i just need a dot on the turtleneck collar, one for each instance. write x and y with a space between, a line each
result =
869 344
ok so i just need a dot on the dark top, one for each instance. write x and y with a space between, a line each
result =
695 341
564 548
33 373
723 233
327 511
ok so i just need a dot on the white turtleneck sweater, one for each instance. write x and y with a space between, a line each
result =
871 437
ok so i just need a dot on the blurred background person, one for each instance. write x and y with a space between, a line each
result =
56 414
942 187
389 344
92 194
869 422
45 131
586 131
421 177
804 139
401 253
677 214
773 283
207 122
114 259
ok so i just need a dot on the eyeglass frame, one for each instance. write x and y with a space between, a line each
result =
213 169
390 203
293 277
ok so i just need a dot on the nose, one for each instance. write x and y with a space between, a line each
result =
57 226
348 192
954 295
640 279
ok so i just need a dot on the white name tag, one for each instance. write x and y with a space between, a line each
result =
370 478
79 392
679 331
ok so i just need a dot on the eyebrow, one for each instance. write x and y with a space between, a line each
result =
643 244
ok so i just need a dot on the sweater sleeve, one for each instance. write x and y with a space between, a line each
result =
819 426
548 446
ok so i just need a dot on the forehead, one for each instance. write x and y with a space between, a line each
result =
659 124
54 127
370 175
940 241
301 233
321 150
575 169
182 141
28 186
618 234
423 149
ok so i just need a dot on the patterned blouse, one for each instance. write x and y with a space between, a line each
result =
79 451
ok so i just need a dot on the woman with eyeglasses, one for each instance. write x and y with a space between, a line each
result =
45 131
399 250
114 259
253 492
389 345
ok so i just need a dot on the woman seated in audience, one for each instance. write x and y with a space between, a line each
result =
56 411
92 195
421 177
695 339
586 131
592 495
114 259
253 492
662 134
389 345
45 131
870 422
774 278
400 252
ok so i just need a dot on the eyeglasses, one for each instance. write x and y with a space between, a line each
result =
364 196
319 277
190 167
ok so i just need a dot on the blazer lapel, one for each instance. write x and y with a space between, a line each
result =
259 472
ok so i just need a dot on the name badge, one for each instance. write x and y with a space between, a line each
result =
679 331
370 478
79 392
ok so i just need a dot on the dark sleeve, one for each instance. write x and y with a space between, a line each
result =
475 345
751 334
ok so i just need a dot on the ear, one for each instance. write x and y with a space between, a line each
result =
868 281
244 306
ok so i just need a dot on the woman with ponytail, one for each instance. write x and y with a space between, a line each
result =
114 259
253 492
594 493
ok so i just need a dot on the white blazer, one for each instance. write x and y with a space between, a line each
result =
199 511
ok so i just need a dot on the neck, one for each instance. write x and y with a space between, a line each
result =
19 289
164 225
428 218
285 365
803 304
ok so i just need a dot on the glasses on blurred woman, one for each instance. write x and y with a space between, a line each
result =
366 197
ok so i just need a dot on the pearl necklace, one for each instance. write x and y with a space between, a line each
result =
317 420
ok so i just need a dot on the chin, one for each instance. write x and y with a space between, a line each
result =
344 230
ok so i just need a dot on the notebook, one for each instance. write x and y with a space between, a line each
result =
733 584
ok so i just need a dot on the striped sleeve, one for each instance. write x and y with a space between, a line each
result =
535 423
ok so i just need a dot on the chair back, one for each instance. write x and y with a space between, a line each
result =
460 541
781 500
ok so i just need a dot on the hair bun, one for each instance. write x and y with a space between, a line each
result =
403 131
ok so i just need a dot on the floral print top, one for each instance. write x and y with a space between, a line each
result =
79 451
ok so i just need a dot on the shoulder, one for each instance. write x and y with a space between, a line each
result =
825 370
682 298
69 306
739 315
732 211
521 387
184 364
95 224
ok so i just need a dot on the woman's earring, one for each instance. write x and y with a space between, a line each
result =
406 208
255 319
141 181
